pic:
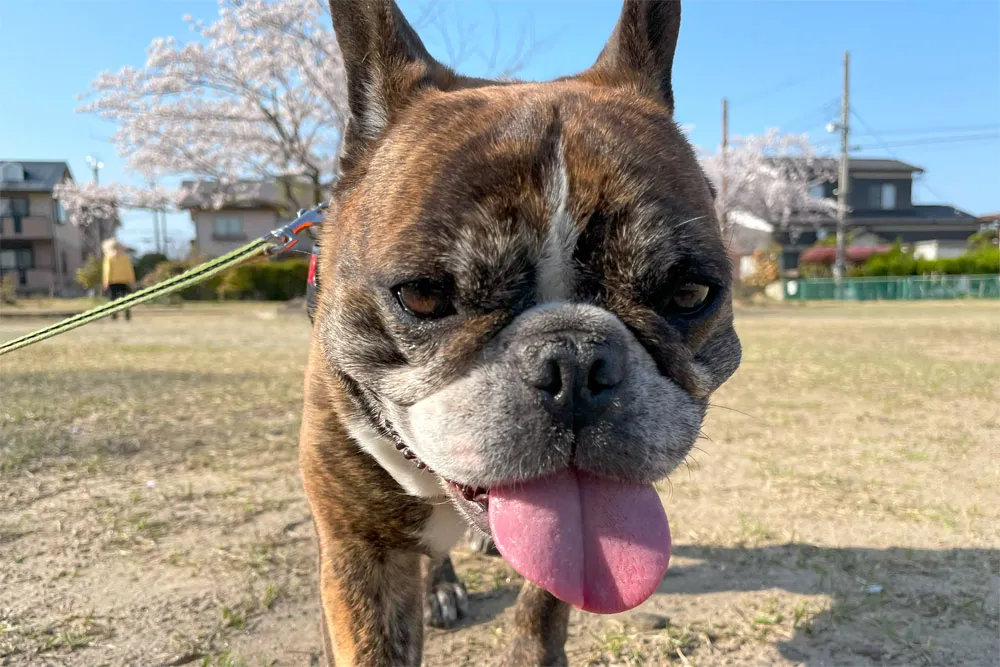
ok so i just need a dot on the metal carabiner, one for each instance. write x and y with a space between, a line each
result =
285 238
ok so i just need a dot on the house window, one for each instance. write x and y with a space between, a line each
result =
20 207
58 212
17 258
888 196
11 171
882 196
17 207
228 227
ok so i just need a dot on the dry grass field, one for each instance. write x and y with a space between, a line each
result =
846 509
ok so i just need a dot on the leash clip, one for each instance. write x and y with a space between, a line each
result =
285 238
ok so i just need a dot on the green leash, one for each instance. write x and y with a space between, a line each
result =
279 240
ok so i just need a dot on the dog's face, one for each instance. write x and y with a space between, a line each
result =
517 278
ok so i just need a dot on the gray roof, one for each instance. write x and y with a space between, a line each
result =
943 212
38 176
863 164
243 194
208 195
880 164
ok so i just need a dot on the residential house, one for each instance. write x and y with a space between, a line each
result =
745 235
38 249
882 211
225 219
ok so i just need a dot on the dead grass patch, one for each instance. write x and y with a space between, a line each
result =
843 507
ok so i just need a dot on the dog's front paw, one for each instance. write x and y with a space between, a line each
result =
445 599
446 604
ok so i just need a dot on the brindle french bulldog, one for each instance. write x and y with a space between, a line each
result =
524 305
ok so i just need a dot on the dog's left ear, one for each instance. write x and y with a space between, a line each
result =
387 66
640 53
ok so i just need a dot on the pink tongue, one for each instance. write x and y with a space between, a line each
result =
600 545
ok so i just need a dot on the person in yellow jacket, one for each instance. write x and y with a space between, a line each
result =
118 273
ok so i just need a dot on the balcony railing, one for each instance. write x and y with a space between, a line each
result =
29 227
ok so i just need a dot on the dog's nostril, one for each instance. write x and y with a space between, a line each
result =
550 377
605 373
598 379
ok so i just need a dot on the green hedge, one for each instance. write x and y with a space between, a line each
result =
900 263
265 280
147 263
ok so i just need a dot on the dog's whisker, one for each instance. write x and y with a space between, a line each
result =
690 220
726 407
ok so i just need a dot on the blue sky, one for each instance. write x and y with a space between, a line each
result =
916 66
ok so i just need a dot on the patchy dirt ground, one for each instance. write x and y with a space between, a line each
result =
845 510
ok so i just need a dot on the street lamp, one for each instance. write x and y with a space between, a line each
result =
96 165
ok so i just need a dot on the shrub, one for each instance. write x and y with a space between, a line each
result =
279 280
986 238
765 267
145 264
205 290
8 290
901 263
90 274
815 271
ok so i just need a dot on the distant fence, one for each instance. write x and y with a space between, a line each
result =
895 288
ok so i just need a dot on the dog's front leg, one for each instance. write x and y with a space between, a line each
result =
445 598
372 605
540 624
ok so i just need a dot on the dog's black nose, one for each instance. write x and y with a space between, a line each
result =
575 374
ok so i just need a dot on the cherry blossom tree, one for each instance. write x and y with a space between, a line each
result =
772 176
259 94
95 208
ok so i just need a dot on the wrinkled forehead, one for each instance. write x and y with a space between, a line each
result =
507 165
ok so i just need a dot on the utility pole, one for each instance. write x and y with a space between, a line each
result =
163 232
156 220
724 181
96 165
843 181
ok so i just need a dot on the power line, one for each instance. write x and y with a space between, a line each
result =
826 110
938 130
892 154
936 140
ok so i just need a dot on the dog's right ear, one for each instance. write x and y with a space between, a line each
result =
640 53
387 66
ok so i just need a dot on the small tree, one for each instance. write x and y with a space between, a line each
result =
89 275
986 238
765 267
8 290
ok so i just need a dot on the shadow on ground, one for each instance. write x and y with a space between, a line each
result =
895 605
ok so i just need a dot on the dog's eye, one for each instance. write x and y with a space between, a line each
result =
426 299
690 299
